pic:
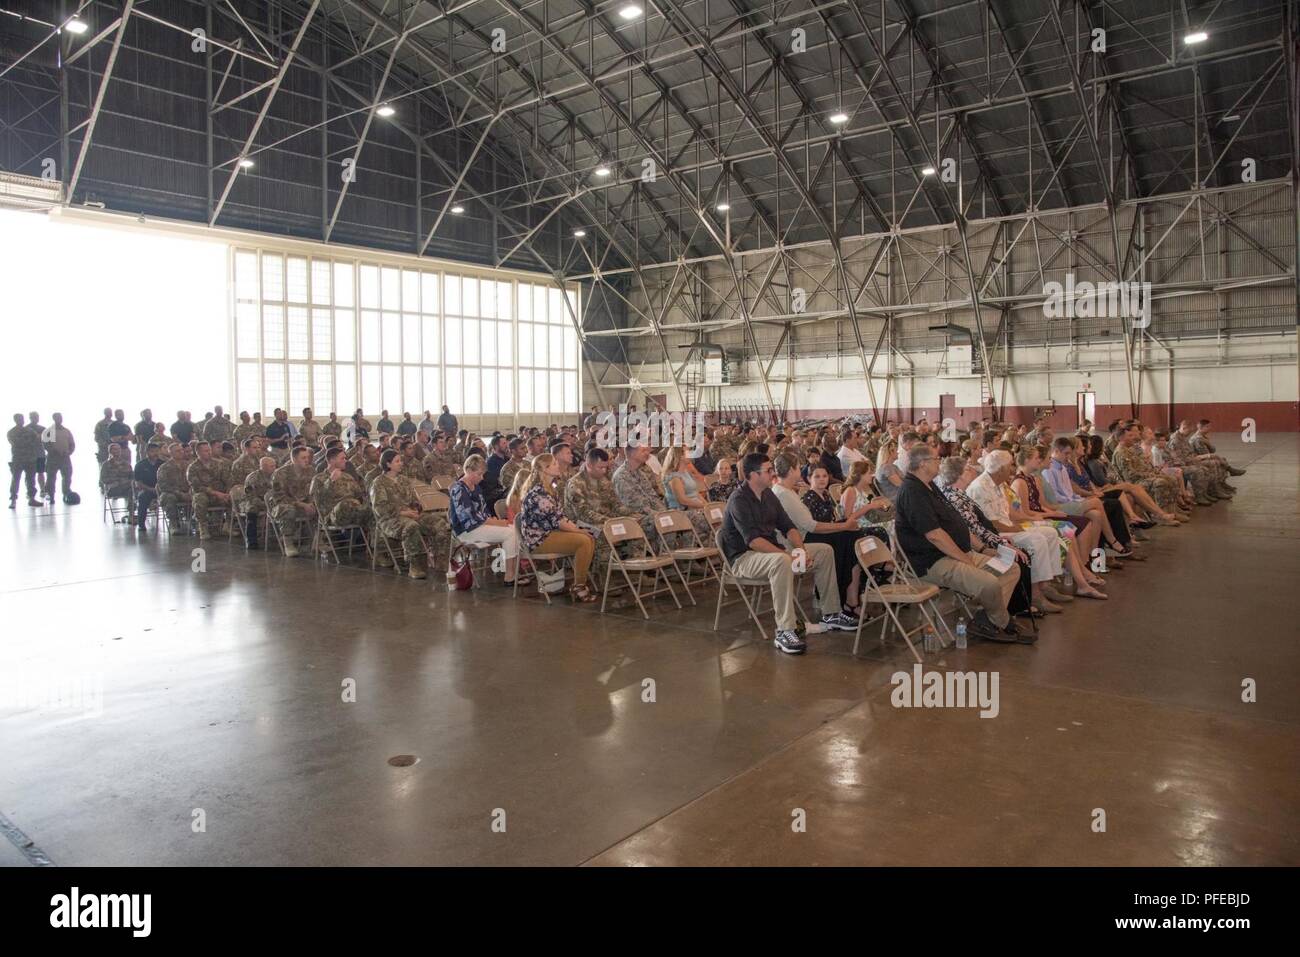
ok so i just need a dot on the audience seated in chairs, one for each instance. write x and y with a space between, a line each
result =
937 543
749 535
474 524
545 528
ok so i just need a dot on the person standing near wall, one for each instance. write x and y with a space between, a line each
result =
24 450
59 446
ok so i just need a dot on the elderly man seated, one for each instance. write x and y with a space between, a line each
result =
987 491
753 519
937 541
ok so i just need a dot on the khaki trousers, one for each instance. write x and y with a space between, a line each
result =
778 569
993 592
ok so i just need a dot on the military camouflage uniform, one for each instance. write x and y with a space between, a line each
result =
204 479
24 453
434 525
1202 475
638 495
387 500
217 429
444 464
290 492
332 428
173 490
101 440
240 469
341 501
253 501
1200 445
1132 466
509 471
1182 450
246 430
115 479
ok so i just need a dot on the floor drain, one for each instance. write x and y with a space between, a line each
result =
403 760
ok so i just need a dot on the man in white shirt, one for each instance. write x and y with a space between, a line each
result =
1041 543
849 450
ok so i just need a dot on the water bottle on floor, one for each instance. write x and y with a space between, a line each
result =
930 643
961 632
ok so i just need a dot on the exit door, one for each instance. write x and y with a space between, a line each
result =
1087 406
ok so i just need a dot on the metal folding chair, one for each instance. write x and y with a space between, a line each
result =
677 522
116 507
557 560
328 539
620 531
754 602
871 552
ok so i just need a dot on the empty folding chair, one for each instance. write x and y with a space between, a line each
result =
871 553
676 522
330 538
642 562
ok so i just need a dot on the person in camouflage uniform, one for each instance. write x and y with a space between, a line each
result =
101 436
590 501
338 496
396 517
245 429
209 478
173 486
442 460
115 473
1132 466
333 427
245 465
434 525
1201 445
637 488
1182 454
218 428
1200 478
252 503
24 453
518 450
289 500
143 432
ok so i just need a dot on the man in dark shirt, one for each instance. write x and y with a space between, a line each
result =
750 527
118 430
936 540
491 483
447 422
385 424
406 426
146 482
278 435
183 428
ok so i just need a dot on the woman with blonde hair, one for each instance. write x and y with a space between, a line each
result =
683 489
515 496
545 529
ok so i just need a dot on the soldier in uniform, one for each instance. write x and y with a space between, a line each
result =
115 473
444 463
333 427
209 478
289 499
244 466
245 429
309 429
1182 454
590 500
252 503
144 431
218 428
1200 478
1201 445
434 525
1133 467
101 436
637 489
369 467
396 517
518 449
24 452
338 496
173 486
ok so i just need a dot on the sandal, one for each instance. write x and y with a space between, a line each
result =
581 593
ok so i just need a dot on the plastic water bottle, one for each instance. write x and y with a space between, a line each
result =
961 632
930 643
1068 581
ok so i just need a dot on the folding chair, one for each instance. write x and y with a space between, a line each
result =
155 511
677 522
441 483
325 545
263 520
499 508
115 507
477 554
618 531
753 603
556 559
715 512
903 569
298 532
871 552
836 489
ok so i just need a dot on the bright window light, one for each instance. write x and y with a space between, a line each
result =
630 12
386 111
1200 36
839 119
76 26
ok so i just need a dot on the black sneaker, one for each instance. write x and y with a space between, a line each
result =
840 622
790 643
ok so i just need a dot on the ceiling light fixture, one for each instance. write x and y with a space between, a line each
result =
385 110
1232 118
457 210
579 233
839 119
630 12
602 170
1200 36
246 163
928 171
723 207
77 26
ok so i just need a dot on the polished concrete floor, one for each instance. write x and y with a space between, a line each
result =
222 692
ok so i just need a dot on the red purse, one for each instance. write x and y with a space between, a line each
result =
464 573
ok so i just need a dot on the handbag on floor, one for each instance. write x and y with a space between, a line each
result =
550 583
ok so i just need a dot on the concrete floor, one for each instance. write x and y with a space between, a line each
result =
222 692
